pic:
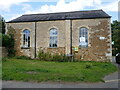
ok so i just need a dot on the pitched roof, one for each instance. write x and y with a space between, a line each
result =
61 16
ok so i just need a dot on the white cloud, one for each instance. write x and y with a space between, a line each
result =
26 7
113 6
62 6
76 5
6 4
12 16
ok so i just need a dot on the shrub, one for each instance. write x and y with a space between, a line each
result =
56 57
8 42
44 56
11 52
5 40
23 57
68 58
88 65
4 58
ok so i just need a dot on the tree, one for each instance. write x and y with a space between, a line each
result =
115 26
8 41
2 25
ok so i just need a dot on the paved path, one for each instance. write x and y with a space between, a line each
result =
111 77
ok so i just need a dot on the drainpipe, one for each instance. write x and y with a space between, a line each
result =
35 40
71 38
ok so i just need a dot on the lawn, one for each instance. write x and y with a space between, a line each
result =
38 71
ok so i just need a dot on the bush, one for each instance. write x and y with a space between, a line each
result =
44 56
11 52
23 57
8 42
4 58
68 58
88 65
5 40
56 57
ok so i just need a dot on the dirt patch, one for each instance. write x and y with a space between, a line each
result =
32 72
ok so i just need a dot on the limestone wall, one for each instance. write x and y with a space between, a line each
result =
19 27
3 52
98 50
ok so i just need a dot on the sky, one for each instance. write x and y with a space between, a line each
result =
11 9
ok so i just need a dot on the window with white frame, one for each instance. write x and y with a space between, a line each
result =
53 37
26 38
83 37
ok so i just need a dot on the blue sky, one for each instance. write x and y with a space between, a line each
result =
11 9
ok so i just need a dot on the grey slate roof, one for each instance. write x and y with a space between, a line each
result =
61 16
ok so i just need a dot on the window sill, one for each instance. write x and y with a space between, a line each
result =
25 47
52 47
83 47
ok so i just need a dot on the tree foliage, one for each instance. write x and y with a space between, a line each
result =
8 42
2 25
115 26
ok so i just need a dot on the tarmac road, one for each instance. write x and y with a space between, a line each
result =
16 84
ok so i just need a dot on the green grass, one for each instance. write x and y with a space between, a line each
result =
38 71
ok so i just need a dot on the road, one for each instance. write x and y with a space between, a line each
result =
15 84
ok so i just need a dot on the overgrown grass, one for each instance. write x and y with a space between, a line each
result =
46 56
35 70
22 57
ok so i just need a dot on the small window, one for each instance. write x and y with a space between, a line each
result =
53 38
83 37
26 38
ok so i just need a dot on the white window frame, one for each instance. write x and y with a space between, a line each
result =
53 40
83 37
26 38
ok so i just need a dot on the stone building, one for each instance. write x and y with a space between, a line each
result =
84 34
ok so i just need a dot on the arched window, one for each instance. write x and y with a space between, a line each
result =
83 37
26 38
53 38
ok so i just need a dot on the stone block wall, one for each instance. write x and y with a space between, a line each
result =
3 52
19 27
98 50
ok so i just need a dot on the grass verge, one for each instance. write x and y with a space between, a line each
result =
38 71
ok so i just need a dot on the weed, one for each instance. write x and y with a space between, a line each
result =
88 66
23 57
